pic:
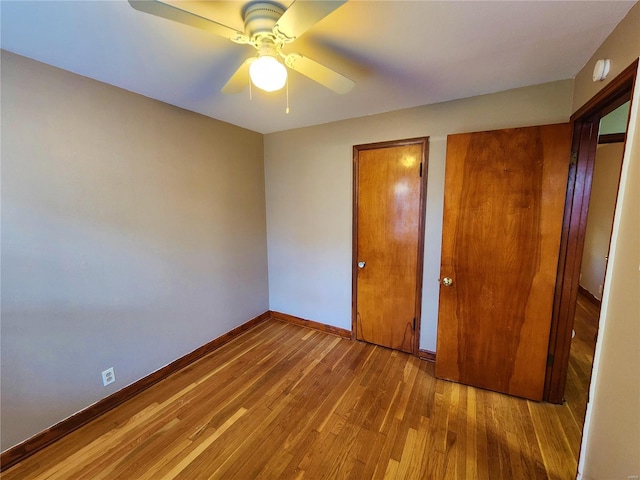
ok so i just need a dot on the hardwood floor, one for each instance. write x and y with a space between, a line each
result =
283 401
581 358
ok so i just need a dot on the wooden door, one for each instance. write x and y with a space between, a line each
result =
503 209
388 242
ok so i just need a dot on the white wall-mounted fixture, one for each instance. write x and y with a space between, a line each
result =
108 376
601 70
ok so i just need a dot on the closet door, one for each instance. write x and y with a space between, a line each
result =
503 209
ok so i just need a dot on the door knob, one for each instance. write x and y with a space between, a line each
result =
361 264
447 282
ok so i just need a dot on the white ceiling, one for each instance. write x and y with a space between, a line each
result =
400 53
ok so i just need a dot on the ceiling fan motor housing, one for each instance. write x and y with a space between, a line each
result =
260 18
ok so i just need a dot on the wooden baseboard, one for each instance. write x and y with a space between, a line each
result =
427 355
589 296
341 332
39 441
611 138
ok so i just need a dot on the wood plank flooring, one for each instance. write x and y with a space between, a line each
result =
282 401
583 347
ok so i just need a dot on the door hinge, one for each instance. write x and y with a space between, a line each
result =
420 168
574 158
414 324
549 360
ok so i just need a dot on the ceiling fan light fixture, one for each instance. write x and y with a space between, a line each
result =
267 73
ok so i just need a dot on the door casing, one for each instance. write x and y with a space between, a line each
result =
585 142
424 142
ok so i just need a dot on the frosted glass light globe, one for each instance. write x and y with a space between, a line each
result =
268 74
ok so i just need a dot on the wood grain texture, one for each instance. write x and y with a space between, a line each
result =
285 317
587 295
586 121
389 238
427 355
583 345
570 257
56 432
504 198
287 402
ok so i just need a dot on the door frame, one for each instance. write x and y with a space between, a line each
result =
424 143
583 150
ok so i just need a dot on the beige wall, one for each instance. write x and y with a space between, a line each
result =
604 188
621 47
133 232
309 195
611 439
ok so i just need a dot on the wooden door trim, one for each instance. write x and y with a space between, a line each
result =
611 138
609 95
585 140
424 143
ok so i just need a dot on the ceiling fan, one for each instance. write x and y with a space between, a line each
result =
268 27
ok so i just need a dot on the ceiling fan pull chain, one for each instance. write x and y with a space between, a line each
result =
250 91
287 110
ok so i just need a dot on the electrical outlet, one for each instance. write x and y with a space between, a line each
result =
632 477
108 376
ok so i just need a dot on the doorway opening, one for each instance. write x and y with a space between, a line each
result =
604 187
587 127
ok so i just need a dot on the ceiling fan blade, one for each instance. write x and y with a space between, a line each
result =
240 79
171 11
302 15
321 74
